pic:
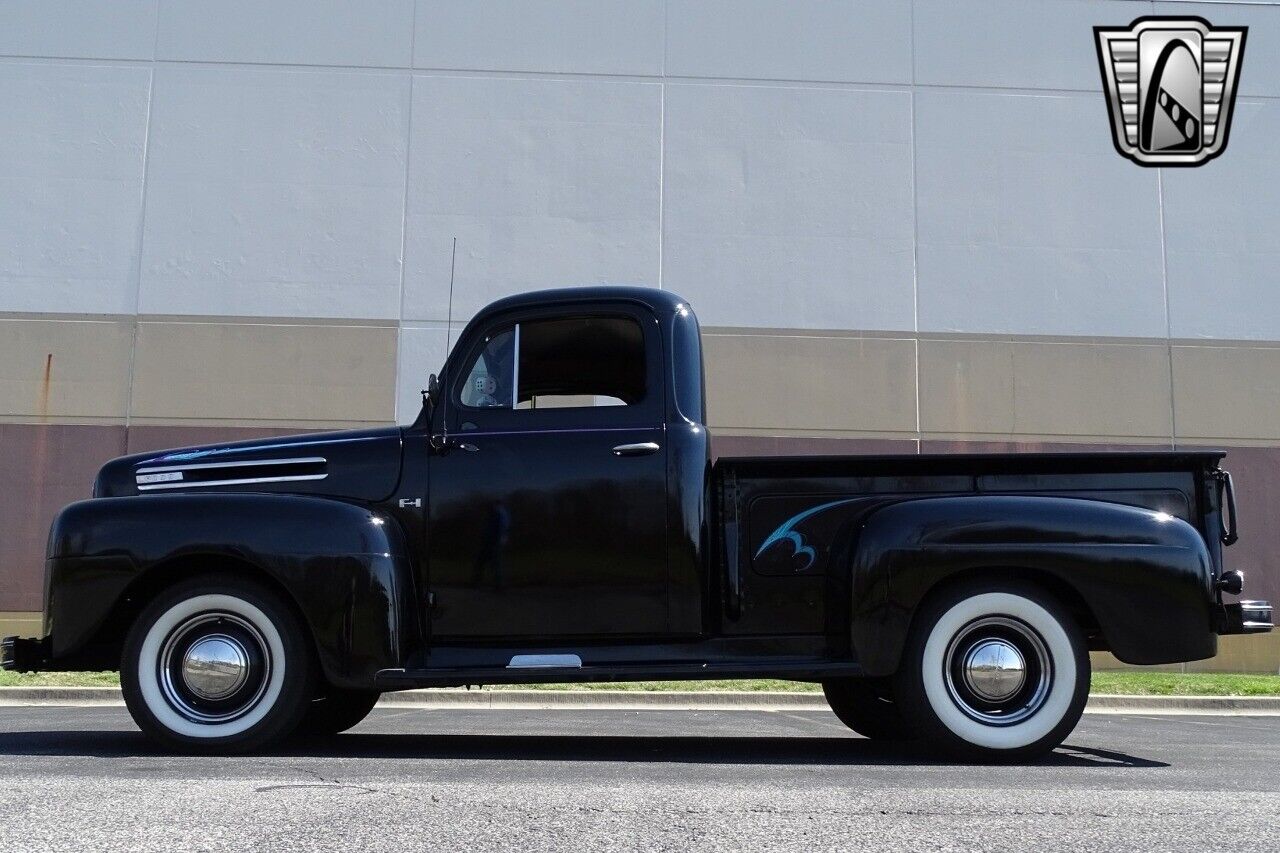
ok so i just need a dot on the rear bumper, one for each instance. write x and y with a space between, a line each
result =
1245 617
18 654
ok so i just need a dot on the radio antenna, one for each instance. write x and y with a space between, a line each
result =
448 329
448 345
440 442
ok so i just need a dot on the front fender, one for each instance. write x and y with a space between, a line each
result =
346 567
1145 576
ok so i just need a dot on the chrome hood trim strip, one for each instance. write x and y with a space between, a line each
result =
242 463
156 477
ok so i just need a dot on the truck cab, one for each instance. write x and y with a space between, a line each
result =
566 492
554 514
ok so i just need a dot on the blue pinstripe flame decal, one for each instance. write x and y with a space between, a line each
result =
786 531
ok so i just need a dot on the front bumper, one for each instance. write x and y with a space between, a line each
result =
1245 617
18 654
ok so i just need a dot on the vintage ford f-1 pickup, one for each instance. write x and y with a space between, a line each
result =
554 515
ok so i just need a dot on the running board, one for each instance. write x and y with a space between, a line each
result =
545 662
568 672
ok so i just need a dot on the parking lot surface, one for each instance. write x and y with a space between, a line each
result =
528 780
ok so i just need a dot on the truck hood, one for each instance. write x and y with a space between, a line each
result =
358 464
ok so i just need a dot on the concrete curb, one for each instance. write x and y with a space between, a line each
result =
626 700
1102 703
60 696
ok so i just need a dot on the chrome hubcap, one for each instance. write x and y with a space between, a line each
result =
998 670
994 669
215 667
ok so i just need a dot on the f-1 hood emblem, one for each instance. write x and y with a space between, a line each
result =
1171 86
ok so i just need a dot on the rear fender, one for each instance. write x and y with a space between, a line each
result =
346 568
1145 576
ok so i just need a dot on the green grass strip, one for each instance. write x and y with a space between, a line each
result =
1127 682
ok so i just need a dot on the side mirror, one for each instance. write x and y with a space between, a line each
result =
431 393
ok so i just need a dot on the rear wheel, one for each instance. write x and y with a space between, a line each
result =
217 664
866 705
994 672
336 711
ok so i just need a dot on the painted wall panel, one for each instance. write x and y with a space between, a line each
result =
568 36
275 193
545 183
44 467
1047 44
1220 228
853 42
789 207
71 165
1030 223
298 32
83 29
421 352
808 173
1260 75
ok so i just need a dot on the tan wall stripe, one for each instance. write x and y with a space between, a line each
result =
1022 388
59 370
1258 653
803 382
28 624
299 373
250 371
1227 392
1018 388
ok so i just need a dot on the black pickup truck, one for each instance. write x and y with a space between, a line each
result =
554 515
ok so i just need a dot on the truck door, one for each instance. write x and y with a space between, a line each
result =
547 507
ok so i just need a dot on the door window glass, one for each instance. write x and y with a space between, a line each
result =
490 380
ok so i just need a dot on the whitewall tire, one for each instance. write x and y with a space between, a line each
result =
217 665
994 671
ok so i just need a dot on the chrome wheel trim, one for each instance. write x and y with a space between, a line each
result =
994 670
214 667
969 686
250 681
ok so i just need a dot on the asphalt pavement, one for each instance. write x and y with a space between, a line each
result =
529 780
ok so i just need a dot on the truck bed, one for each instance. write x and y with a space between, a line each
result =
789 525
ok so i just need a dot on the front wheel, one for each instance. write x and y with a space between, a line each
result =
994 672
217 665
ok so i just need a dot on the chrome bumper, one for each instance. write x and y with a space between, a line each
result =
1245 617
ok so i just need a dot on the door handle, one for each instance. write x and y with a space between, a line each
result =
643 448
444 443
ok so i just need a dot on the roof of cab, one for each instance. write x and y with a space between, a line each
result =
664 300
